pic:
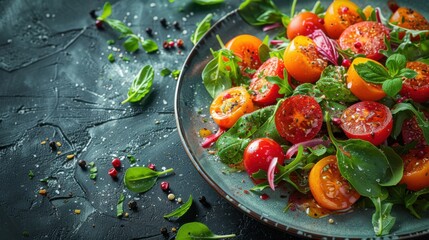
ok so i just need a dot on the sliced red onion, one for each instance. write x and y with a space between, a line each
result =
270 173
271 27
276 42
211 139
310 143
325 46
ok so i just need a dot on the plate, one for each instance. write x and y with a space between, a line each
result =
191 109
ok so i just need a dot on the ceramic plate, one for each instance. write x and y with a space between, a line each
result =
191 106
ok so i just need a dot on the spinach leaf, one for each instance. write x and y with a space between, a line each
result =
142 179
107 10
261 12
149 45
202 28
259 123
396 166
180 211
141 85
118 26
120 206
382 219
332 84
132 43
420 117
198 231
208 2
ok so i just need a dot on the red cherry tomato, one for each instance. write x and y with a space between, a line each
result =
304 24
416 169
299 118
331 190
263 92
259 154
247 48
417 88
367 120
365 38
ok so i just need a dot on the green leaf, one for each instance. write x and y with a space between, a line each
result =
395 63
141 84
207 2
332 84
198 231
264 52
396 166
420 117
214 79
202 28
111 57
407 73
382 219
119 26
260 12
372 72
107 10
283 84
142 179
149 46
165 72
132 43
180 211
131 158
120 206
392 87
175 74
30 174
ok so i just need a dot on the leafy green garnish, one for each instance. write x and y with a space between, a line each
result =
382 220
111 57
165 72
391 79
262 12
283 84
198 231
422 122
120 206
142 179
141 85
332 84
30 174
202 28
131 158
180 211
207 2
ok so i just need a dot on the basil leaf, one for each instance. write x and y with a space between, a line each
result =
120 206
107 10
197 230
202 28
207 2
141 85
372 72
142 179
420 117
149 46
382 219
260 12
264 52
214 79
180 211
392 87
396 166
407 73
395 63
119 26
132 43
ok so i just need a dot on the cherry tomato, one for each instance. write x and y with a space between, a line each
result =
412 132
339 15
360 88
230 105
410 19
247 48
416 169
331 190
304 24
367 120
365 38
302 60
299 118
417 88
263 92
259 154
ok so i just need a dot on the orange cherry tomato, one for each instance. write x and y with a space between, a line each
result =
331 190
304 24
302 60
410 19
417 88
339 15
230 105
247 48
360 88
416 169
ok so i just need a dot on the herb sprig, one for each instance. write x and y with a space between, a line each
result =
141 85
202 28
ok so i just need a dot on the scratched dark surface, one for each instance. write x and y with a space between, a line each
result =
56 83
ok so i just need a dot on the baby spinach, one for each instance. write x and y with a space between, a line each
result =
261 12
420 117
202 28
180 211
142 179
198 231
260 123
120 206
208 2
141 85
382 220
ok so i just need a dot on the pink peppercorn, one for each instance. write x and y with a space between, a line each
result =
113 172
116 163
165 186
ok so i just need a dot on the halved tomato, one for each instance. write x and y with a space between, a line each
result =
416 169
360 88
367 120
331 190
417 88
246 47
410 19
304 23
365 38
299 118
264 92
230 105
412 132
340 15
302 60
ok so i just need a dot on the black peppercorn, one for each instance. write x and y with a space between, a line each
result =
149 31
53 146
164 231
132 205
176 25
163 22
93 14
82 163
203 201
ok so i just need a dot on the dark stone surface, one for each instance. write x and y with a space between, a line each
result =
57 84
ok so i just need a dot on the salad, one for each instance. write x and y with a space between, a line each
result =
334 107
